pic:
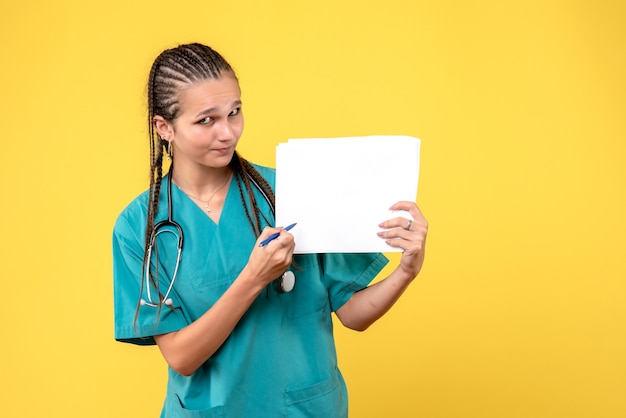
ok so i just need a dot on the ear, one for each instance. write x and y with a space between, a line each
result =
163 128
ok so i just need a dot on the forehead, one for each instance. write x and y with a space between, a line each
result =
218 94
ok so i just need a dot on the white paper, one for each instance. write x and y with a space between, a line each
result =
339 189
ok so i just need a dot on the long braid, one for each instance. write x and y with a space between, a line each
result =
250 171
244 169
260 180
156 175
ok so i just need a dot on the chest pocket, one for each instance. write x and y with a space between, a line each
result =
201 288
309 294
209 270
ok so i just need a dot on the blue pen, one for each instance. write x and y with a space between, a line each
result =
274 236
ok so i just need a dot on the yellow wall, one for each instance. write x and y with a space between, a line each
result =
521 308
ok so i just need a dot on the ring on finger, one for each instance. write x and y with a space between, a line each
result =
408 225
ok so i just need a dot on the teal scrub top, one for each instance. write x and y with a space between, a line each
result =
280 360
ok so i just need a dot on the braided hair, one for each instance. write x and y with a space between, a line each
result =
171 71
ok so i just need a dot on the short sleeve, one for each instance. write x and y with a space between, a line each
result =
135 323
345 274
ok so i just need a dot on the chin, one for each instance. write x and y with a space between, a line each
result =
221 162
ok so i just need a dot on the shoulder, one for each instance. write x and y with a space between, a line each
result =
268 173
133 215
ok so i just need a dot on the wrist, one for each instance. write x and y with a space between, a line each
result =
250 279
406 274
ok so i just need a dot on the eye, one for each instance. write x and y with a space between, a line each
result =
204 121
235 112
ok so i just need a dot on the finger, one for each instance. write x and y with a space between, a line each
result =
286 246
405 205
416 234
268 236
398 243
287 239
401 223
418 222
268 230
410 207
284 239
409 248
396 233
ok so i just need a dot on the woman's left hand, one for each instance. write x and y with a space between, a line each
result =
409 235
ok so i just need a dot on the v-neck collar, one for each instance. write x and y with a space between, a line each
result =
183 197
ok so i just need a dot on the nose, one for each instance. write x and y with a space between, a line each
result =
226 131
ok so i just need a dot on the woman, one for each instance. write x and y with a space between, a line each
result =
236 345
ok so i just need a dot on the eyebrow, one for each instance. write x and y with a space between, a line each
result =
236 103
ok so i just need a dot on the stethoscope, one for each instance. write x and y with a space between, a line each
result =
283 284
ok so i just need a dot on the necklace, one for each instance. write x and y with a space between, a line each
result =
207 203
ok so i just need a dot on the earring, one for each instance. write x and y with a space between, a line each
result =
169 150
168 147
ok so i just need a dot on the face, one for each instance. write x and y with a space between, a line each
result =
209 124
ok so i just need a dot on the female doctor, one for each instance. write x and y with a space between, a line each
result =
238 341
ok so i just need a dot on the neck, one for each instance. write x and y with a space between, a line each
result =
201 182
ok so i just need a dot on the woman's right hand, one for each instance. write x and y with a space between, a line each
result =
270 261
188 348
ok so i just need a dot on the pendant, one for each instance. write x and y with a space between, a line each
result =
208 208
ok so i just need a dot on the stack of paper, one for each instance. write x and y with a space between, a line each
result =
339 189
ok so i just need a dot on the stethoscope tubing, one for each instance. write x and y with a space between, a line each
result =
156 231
284 285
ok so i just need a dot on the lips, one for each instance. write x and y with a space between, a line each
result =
223 150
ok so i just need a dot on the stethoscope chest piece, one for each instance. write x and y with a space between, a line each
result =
287 281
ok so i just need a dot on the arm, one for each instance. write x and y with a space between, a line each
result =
371 303
186 349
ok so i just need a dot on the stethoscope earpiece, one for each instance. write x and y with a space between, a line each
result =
167 302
